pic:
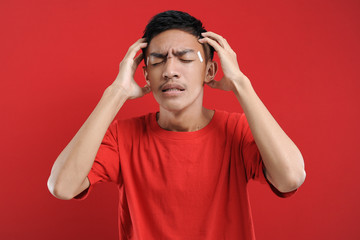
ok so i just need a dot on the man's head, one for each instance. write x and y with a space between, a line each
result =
176 20
177 65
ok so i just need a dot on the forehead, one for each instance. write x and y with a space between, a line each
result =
175 40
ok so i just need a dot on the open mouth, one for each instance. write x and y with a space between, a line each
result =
172 87
173 90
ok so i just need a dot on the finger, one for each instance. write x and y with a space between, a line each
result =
215 37
135 48
221 40
212 43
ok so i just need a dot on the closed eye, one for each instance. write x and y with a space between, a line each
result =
155 64
182 60
186 61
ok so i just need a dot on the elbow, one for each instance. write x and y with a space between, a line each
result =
57 191
292 182
292 176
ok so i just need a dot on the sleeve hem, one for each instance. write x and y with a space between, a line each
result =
84 194
277 192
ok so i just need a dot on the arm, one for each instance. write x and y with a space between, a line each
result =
284 164
69 173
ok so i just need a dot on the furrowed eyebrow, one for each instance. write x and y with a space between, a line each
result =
181 53
158 55
178 54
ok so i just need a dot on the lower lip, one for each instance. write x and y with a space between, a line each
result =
172 93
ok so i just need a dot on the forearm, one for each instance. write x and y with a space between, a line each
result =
75 161
284 165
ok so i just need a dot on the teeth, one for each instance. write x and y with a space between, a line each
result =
172 89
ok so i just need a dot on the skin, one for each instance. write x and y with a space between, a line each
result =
173 59
179 110
284 164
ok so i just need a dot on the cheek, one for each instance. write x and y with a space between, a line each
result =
196 68
198 71
153 75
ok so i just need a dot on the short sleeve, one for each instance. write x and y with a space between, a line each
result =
106 167
254 166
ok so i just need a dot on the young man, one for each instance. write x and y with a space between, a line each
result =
182 173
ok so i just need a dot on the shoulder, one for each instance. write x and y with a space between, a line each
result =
233 123
231 118
133 124
132 120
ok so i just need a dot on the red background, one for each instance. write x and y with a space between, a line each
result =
57 57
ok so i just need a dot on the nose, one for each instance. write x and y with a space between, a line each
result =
170 69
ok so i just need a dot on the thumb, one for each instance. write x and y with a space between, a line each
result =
138 59
146 89
214 84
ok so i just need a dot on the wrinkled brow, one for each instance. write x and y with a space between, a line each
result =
178 53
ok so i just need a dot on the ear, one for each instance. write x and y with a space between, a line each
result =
211 70
146 75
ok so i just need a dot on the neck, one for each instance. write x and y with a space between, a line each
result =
185 120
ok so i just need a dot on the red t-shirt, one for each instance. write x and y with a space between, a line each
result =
181 185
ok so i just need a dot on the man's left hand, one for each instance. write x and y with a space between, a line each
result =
232 75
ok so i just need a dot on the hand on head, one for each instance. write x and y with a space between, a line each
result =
228 61
125 78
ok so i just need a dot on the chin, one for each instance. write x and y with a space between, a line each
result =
170 104
172 107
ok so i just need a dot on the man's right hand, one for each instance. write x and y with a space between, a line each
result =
69 173
125 79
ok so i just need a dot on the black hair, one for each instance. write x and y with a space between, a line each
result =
175 20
